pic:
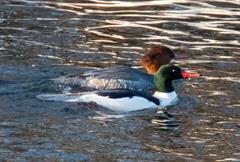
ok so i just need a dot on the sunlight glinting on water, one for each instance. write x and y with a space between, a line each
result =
230 79
119 4
214 27
104 41
229 159
202 25
90 63
132 25
123 48
72 37
92 11
50 57
105 35
200 9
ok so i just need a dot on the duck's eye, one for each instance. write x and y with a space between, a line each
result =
173 70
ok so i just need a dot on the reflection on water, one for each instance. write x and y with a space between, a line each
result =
41 40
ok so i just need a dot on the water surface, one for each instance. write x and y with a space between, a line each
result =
41 40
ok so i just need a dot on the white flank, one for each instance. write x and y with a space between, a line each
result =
124 104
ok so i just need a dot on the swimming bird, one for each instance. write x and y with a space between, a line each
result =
130 100
124 77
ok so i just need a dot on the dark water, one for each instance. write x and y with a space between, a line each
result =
41 40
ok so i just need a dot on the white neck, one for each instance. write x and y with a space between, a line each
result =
166 99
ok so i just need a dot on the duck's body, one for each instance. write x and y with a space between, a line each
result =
129 100
124 77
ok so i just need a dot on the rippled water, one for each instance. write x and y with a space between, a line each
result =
41 40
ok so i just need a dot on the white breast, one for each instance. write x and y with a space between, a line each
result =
166 99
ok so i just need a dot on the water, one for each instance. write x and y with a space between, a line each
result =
42 40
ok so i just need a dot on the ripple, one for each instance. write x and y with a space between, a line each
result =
41 40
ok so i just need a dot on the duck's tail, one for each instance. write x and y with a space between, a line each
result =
71 97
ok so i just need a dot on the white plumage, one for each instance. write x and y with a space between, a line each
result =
124 104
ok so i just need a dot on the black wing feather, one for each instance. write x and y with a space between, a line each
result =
115 94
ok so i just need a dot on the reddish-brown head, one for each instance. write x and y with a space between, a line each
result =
155 57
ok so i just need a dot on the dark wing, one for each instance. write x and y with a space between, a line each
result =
119 78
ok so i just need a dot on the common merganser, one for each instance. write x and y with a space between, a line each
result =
124 77
128 100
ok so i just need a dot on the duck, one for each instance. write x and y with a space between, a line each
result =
121 77
123 100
